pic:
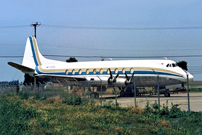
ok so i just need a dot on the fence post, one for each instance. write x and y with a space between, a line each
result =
158 89
188 92
17 89
116 93
134 91
101 88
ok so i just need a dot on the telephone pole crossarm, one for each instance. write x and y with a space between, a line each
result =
35 25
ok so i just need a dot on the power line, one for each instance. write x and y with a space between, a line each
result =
80 56
17 26
108 49
126 56
124 28
10 56
106 28
71 46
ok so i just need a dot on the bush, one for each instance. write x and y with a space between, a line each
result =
110 104
174 111
23 95
39 97
13 117
74 99
196 90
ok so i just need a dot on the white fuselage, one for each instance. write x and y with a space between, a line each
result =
145 72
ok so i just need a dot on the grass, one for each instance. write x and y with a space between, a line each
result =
75 115
196 90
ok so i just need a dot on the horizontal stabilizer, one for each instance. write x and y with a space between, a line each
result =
21 67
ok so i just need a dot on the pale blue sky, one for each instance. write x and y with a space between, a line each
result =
90 42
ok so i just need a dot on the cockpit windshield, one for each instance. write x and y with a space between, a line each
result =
171 65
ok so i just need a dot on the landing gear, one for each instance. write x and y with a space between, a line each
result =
122 93
128 91
94 95
166 94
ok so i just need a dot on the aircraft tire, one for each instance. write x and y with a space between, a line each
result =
122 94
97 95
166 94
94 95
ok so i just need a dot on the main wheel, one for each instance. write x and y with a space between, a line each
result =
94 95
122 93
166 94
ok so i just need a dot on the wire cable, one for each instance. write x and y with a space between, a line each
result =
80 56
124 28
17 26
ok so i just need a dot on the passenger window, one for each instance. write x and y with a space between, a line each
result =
116 71
67 72
108 71
131 70
94 71
80 71
101 71
123 71
73 71
87 71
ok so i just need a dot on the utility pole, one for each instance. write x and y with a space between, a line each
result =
35 25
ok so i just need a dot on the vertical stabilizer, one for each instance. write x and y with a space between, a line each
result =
28 60
32 56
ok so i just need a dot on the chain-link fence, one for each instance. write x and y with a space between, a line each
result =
82 89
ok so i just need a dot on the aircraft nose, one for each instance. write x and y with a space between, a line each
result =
190 76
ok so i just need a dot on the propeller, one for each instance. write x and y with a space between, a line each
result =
112 79
129 80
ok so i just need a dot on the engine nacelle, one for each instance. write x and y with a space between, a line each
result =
97 80
128 82
106 81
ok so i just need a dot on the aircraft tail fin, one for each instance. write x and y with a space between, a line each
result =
32 56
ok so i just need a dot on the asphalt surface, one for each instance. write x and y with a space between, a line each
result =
180 99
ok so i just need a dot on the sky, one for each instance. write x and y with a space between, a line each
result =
116 28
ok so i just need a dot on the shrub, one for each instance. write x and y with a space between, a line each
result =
74 99
110 104
174 111
23 95
14 118
147 108
39 97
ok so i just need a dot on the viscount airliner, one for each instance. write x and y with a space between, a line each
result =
121 72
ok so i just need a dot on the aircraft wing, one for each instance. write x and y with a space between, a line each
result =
21 67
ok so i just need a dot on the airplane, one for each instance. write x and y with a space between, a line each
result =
120 72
